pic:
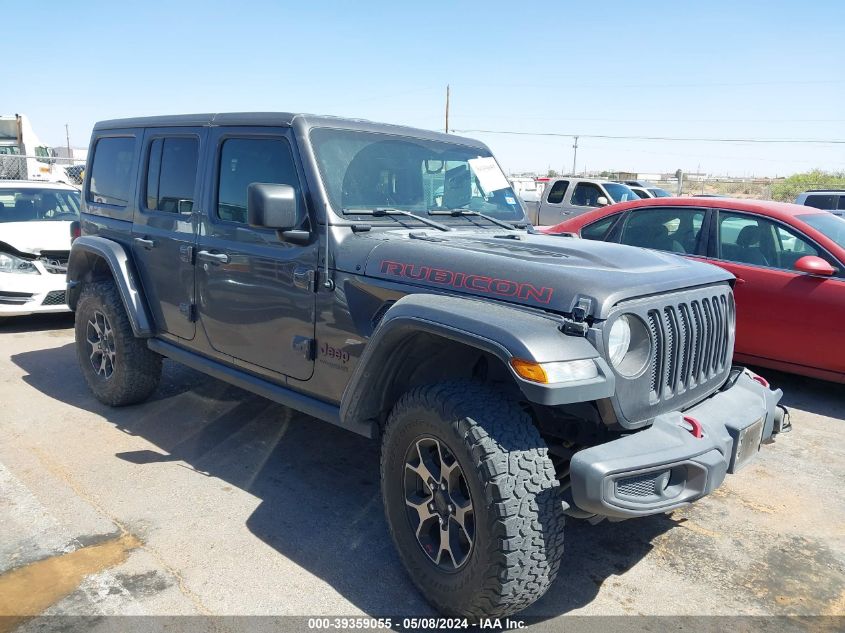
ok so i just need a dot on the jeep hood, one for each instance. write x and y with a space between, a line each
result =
550 272
35 236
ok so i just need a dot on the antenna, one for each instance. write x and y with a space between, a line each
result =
447 108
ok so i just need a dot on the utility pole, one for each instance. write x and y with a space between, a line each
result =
447 108
574 154
67 136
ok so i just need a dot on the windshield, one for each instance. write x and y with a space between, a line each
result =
831 226
29 205
657 192
620 193
367 170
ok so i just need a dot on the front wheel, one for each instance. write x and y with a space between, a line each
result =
471 499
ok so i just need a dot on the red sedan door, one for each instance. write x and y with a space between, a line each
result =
782 315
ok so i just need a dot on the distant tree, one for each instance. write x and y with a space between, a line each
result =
551 174
789 188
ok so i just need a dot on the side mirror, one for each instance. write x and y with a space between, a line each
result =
602 201
272 206
812 265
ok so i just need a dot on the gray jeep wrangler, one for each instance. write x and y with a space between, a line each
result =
385 279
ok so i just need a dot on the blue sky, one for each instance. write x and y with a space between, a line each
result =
708 69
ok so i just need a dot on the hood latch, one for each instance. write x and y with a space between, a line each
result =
577 325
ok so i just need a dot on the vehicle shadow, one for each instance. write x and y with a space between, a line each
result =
36 322
808 394
318 485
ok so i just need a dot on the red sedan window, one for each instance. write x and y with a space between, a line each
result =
754 240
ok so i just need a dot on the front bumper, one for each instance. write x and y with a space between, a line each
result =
30 294
666 466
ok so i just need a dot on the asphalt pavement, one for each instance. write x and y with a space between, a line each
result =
209 500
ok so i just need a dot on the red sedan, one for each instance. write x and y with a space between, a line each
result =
789 263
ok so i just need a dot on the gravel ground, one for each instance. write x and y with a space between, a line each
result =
225 503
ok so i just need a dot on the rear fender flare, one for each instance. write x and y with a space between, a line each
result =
84 254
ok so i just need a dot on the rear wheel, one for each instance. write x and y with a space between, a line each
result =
471 499
118 366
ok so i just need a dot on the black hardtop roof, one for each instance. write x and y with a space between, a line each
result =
275 119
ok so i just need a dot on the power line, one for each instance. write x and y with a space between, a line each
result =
660 138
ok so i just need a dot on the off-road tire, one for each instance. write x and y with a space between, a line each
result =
515 495
137 369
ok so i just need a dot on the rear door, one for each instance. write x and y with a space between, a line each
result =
164 227
782 314
673 229
256 291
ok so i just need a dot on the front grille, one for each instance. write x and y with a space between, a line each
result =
55 261
55 298
690 350
14 298
690 342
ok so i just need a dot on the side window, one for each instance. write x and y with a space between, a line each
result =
171 174
666 229
841 206
111 171
557 191
586 194
758 241
599 230
820 202
641 193
790 248
244 161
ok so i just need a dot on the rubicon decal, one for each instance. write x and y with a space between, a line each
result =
479 283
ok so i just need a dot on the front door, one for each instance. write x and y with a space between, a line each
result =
256 296
782 314
164 227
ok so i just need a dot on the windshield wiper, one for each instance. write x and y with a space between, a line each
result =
455 213
380 213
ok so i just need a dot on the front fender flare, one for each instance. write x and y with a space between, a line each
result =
82 254
502 330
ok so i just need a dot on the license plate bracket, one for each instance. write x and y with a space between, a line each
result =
747 444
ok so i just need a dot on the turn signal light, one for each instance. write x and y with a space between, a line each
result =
555 372
528 370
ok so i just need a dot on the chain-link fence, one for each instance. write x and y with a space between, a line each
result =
758 188
42 169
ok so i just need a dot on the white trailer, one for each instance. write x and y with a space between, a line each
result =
24 157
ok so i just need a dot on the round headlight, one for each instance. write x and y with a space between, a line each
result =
619 340
629 345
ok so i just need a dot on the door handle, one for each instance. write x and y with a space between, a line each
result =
145 243
219 258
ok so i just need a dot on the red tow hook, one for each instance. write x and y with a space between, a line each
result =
696 430
761 380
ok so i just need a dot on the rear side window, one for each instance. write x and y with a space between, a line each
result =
247 160
171 174
821 202
111 171
599 230
557 191
676 230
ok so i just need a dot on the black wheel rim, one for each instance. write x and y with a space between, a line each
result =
438 504
100 339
